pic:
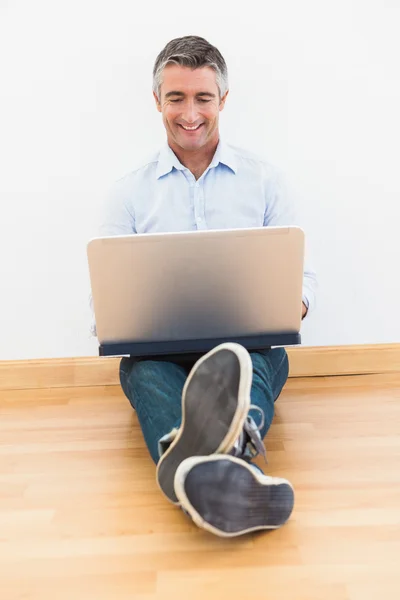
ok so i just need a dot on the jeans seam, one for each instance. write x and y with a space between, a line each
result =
282 361
277 371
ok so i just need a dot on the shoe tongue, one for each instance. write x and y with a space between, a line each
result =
249 434
252 431
240 445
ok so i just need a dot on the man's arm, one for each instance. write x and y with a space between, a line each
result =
118 213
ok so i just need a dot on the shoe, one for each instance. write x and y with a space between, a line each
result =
229 497
215 403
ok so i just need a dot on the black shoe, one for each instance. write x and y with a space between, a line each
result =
215 403
229 497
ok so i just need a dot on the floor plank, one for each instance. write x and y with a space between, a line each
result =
81 515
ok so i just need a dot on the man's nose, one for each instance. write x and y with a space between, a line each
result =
190 112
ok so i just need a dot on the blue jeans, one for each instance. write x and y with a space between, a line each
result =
154 389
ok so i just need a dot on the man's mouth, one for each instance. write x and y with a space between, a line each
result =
194 128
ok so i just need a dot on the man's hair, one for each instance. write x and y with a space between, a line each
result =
194 52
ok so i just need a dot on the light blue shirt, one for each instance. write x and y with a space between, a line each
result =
236 190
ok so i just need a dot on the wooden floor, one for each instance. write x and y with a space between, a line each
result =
82 518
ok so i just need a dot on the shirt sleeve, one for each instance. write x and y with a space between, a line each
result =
118 212
280 211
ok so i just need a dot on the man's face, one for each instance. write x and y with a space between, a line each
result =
190 106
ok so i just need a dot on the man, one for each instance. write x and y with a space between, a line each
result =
204 421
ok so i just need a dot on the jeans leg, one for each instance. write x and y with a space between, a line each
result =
270 373
154 389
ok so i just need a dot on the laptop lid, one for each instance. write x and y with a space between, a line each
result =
166 287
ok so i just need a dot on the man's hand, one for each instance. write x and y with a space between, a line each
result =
304 310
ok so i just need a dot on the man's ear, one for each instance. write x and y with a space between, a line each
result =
157 102
223 100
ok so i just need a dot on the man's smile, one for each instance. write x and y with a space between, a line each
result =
193 128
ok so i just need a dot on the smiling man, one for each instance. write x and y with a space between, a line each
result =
204 420
190 103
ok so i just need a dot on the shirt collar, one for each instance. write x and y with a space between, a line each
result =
167 159
224 155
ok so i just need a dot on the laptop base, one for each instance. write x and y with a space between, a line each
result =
186 347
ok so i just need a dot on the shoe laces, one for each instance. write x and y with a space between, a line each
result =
249 443
253 431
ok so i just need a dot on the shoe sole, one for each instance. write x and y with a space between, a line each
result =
215 403
228 498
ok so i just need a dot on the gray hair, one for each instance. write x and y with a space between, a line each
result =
194 52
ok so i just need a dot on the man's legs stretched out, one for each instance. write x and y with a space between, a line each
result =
216 402
154 389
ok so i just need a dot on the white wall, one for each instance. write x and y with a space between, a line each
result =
314 88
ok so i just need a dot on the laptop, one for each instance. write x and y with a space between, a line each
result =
186 292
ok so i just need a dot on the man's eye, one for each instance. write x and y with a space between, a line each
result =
203 100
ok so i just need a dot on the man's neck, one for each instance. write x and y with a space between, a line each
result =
196 161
